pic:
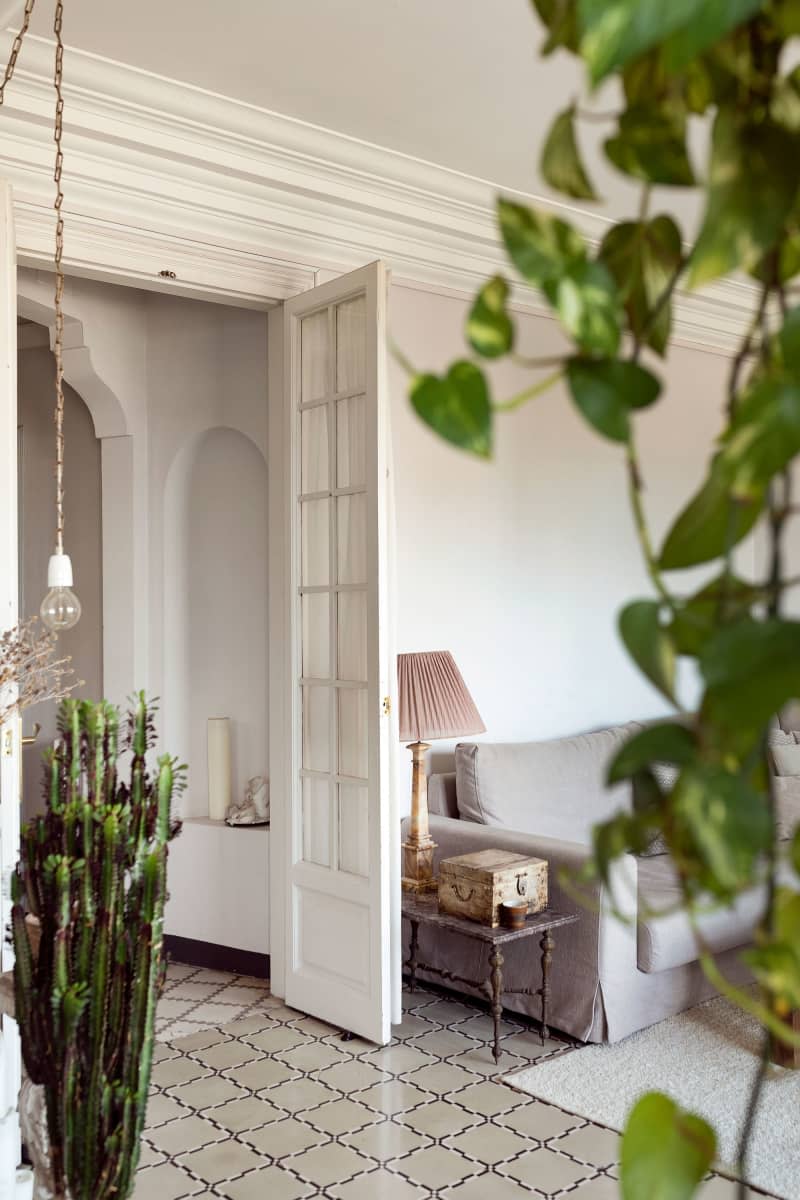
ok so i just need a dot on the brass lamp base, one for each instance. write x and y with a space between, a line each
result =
418 849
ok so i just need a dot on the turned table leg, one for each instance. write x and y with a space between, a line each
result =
547 945
496 979
413 957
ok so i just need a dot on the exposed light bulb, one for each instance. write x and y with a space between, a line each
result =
61 608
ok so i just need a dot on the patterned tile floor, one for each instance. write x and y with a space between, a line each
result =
254 1101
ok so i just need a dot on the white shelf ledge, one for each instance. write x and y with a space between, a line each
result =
208 822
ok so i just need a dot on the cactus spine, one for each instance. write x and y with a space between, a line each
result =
93 871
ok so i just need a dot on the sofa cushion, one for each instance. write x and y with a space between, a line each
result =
553 789
442 795
668 941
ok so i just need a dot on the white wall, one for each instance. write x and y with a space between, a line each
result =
520 565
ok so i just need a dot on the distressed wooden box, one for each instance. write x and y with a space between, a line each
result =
475 885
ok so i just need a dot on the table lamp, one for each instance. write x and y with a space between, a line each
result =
434 703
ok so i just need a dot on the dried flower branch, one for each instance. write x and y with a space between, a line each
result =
29 673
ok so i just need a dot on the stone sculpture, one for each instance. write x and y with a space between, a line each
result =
254 809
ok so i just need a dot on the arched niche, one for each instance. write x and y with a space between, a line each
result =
215 606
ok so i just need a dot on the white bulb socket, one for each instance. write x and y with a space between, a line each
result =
59 571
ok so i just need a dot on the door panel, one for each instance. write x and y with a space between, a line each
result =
338 887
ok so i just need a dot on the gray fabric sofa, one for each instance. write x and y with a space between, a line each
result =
609 977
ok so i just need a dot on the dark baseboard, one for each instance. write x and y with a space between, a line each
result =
216 958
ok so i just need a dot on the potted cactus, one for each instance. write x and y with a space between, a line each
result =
87 926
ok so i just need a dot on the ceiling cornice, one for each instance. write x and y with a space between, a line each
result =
252 206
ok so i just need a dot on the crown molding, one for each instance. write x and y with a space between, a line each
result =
250 206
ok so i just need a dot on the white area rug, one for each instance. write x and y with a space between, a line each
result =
704 1059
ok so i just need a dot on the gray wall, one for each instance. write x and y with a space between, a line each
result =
83 536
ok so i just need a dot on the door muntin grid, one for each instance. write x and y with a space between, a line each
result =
333 588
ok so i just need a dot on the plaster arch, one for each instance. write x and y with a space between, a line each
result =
113 429
215 611
108 414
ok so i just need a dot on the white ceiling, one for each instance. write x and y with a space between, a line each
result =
456 82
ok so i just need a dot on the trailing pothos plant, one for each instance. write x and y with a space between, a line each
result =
724 62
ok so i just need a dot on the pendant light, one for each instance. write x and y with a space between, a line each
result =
61 608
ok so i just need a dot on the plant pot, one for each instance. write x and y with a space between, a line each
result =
32 1114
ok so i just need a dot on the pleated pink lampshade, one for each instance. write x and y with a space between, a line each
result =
434 701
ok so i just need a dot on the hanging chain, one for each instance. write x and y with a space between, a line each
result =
58 344
16 47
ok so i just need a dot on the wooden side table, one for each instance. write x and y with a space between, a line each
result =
424 910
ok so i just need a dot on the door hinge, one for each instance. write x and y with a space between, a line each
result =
8 743
387 705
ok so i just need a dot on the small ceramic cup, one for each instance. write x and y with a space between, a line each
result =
513 913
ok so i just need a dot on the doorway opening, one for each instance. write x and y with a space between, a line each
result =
166 522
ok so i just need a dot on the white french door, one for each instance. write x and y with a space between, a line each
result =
337 947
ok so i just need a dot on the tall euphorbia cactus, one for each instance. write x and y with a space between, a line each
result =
93 870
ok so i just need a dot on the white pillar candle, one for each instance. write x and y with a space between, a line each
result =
219 767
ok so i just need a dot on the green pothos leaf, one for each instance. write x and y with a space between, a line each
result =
649 643
765 435
666 1152
643 256
456 406
666 742
775 962
541 247
713 19
726 598
561 163
784 107
755 172
751 669
490 330
651 145
727 823
712 520
587 300
786 15
617 31
605 392
560 17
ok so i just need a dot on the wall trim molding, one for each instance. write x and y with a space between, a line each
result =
250 206
216 958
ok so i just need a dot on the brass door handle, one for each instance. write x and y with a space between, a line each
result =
31 738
